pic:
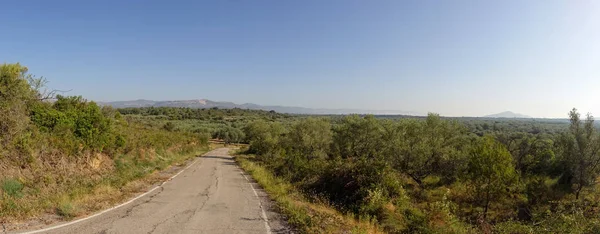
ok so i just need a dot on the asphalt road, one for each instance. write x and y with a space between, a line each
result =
211 196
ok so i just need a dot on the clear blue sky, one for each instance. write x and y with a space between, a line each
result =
456 58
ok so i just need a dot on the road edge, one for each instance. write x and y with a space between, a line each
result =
196 159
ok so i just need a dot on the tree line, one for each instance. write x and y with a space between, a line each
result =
182 113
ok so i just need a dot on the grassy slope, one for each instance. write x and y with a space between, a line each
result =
87 195
305 216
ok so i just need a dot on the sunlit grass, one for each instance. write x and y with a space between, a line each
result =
305 216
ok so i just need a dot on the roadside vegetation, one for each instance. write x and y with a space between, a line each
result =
433 174
306 215
67 156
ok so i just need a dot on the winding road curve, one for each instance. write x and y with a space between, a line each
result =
212 195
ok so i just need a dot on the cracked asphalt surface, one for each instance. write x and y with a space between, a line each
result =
212 196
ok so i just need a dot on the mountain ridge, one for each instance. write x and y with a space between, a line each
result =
507 114
205 103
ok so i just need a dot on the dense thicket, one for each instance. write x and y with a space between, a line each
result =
181 113
439 175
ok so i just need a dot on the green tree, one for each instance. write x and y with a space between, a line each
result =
264 137
310 138
532 154
579 149
16 95
490 171
424 148
230 135
358 137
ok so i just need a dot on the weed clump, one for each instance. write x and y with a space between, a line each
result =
12 188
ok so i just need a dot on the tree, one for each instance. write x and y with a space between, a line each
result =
305 150
16 95
422 148
40 88
230 135
490 171
310 138
358 137
532 154
579 149
264 137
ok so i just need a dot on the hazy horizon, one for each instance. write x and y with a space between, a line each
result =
459 58
361 111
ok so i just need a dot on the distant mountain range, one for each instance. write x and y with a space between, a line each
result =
204 103
508 114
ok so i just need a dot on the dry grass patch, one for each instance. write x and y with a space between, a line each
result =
303 215
26 202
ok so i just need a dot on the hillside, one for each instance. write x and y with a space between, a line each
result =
507 114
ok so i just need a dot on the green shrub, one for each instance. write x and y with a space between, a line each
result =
74 117
66 209
512 227
230 135
12 188
264 137
120 141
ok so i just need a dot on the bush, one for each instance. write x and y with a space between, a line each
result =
74 117
230 135
169 126
264 137
310 138
66 208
